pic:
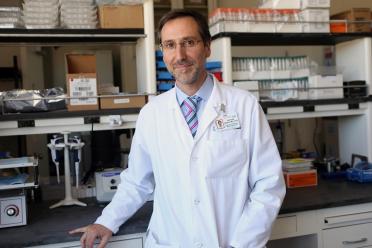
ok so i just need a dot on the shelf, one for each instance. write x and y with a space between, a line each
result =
18 162
59 121
289 39
66 114
58 36
195 6
29 184
314 108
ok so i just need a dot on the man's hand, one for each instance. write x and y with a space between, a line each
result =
91 233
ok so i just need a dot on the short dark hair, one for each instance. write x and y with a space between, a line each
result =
178 13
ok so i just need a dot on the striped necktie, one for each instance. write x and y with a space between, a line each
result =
189 109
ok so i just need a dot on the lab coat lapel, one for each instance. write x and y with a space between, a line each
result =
179 120
210 112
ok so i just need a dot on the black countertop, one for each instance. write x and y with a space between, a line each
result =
48 226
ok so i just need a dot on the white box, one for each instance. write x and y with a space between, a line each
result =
260 75
281 4
251 86
318 20
315 28
315 4
315 15
330 87
319 81
288 27
228 26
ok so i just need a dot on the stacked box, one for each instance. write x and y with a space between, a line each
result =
358 19
315 20
121 16
122 101
301 178
87 74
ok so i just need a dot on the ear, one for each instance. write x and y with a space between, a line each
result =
207 48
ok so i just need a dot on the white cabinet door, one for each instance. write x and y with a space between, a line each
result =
353 236
125 241
130 243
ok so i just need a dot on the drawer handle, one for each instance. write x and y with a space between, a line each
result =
354 242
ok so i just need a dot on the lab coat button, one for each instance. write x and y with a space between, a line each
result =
194 159
199 245
196 201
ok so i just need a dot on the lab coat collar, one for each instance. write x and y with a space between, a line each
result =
209 113
211 109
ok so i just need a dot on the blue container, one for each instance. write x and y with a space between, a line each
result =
361 172
212 65
165 86
164 75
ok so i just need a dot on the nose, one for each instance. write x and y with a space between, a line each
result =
180 52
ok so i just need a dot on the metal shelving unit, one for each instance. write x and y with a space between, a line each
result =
354 53
53 36
289 39
22 162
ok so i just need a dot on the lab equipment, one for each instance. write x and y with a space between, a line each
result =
106 183
73 144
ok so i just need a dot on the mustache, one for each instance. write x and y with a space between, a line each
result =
183 62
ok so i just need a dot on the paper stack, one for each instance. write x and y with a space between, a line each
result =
41 14
78 14
10 17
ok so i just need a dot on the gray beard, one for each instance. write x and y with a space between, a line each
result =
185 79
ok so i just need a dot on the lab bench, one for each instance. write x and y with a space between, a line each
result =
317 210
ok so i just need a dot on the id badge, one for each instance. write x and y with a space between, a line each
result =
227 122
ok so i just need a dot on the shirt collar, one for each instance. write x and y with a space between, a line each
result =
204 92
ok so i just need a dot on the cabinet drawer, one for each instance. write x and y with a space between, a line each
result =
284 226
348 236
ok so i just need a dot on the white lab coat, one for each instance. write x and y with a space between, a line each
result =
219 189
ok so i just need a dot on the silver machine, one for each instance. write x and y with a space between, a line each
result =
13 210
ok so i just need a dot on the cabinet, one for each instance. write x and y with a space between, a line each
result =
347 226
353 54
125 241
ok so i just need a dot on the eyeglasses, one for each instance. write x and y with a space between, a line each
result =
171 45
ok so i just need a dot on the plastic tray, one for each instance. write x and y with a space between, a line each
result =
362 172
80 26
41 3
40 26
18 162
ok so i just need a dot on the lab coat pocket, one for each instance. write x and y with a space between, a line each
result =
226 158
151 242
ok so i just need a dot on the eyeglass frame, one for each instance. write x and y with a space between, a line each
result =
182 43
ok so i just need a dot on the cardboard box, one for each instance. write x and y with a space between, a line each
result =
353 16
81 82
122 101
301 178
121 16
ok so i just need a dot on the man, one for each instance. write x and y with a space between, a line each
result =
206 152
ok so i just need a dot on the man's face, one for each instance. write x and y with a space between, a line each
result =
184 52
